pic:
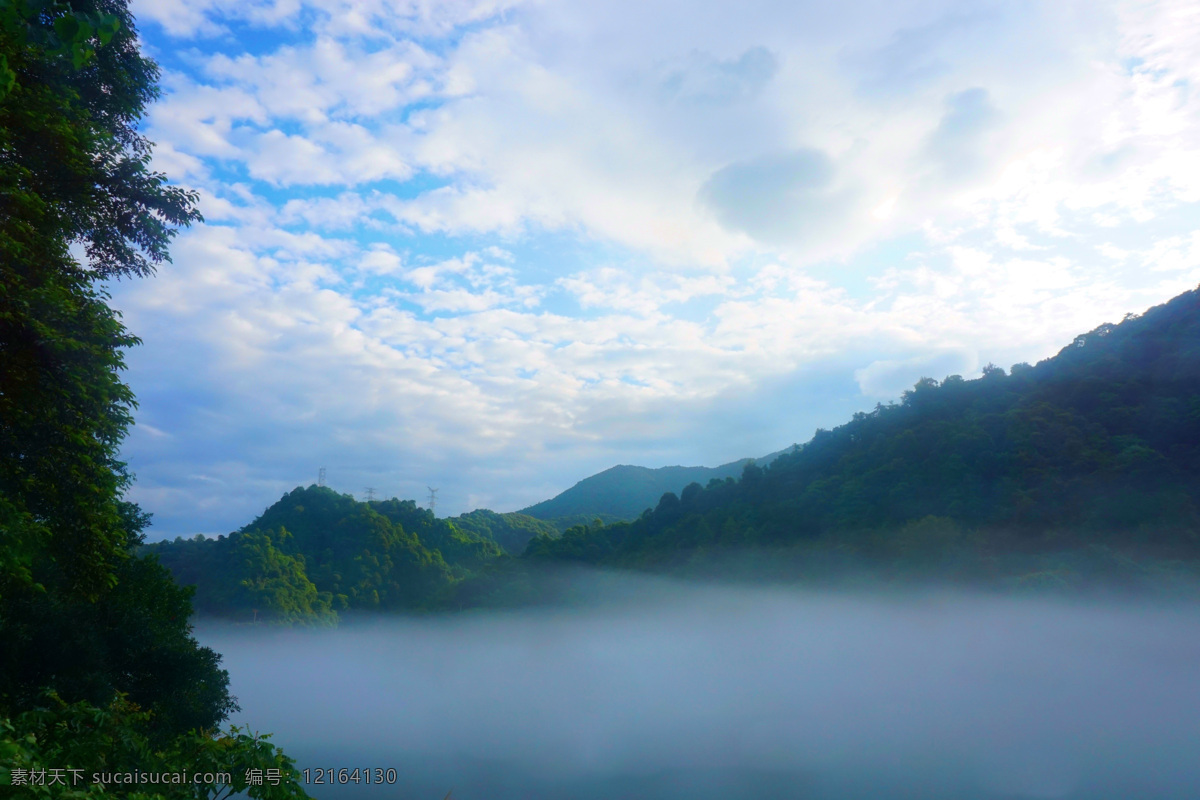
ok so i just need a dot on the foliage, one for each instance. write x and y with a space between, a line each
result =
315 552
60 750
275 582
512 531
73 171
136 641
70 36
72 158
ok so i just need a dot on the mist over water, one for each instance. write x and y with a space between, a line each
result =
668 690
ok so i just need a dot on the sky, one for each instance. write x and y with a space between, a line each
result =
495 247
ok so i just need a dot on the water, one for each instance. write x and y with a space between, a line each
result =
667 690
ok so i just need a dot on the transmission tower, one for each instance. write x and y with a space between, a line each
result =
432 499
321 477
370 490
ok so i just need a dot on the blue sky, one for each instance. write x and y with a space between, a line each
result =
497 246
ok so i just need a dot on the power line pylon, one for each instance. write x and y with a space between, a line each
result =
370 490
321 477
432 499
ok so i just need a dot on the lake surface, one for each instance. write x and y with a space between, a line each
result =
662 690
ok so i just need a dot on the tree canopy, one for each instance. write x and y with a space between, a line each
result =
74 173
315 552
97 643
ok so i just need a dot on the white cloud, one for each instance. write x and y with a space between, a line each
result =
532 134
381 260
366 18
345 210
703 78
199 119
1175 254
330 78
888 379
615 289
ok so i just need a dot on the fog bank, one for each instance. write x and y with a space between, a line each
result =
694 692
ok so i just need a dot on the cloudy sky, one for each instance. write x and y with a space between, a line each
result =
496 246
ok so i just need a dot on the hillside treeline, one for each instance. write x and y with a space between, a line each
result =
1095 449
316 552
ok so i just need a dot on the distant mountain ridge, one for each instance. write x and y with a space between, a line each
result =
623 492
1084 468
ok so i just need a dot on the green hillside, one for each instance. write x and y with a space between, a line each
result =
1095 451
316 552
511 531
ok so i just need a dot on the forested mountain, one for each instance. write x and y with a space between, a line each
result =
624 492
316 552
1097 446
